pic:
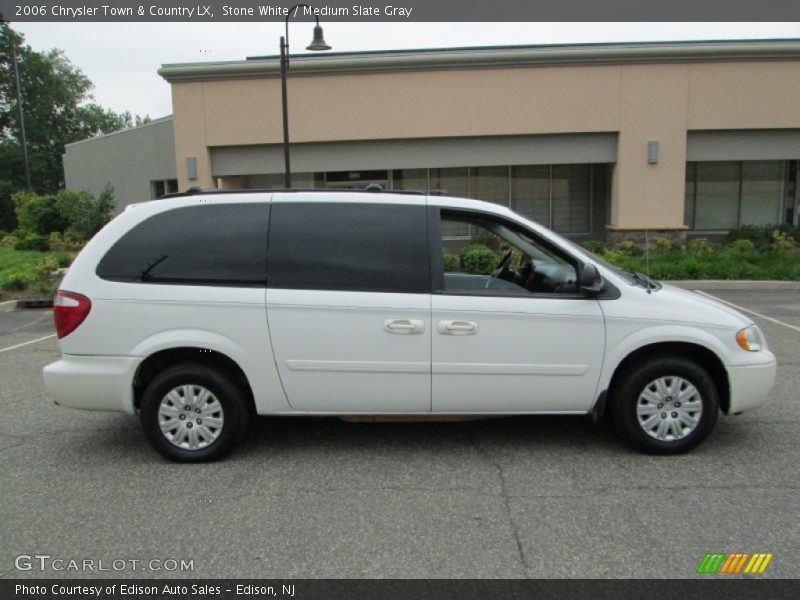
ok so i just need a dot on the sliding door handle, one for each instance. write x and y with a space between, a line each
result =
404 326
457 327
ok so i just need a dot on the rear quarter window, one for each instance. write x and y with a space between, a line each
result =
223 244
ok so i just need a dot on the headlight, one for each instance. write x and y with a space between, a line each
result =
751 339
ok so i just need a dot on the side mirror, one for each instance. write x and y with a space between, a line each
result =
590 281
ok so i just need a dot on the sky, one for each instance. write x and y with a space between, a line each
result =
122 58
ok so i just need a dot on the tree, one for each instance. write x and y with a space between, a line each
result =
58 107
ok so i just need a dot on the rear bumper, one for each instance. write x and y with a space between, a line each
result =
92 382
751 384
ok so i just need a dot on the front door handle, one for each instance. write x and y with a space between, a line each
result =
457 327
404 326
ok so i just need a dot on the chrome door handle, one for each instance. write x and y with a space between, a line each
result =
404 326
457 327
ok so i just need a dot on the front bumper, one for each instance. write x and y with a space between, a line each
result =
750 384
92 382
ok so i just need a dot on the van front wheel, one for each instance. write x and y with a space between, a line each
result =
193 413
666 405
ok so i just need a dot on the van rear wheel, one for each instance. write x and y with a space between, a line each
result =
666 405
193 413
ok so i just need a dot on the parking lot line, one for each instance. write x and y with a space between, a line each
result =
47 337
747 310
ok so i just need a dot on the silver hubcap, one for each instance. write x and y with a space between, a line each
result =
669 408
190 417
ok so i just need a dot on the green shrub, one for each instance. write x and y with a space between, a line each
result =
33 241
39 214
701 246
66 242
479 260
594 246
783 242
64 259
449 260
660 245
11 280
79 213
462 252
8 240
740 246
486 238
677 245
45 281
762 235
629 248
84 213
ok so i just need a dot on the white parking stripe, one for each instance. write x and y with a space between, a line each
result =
47 337
747 310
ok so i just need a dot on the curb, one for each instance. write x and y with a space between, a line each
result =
8 306
35 303
742 285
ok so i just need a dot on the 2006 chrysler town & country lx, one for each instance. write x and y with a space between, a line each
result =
200 310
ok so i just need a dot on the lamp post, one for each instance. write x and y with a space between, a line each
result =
318 45
4 58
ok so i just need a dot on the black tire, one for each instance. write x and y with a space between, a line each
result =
633 384
232 397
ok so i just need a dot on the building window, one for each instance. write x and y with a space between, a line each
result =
490 184
762 192
571 198
451 182
558 196
163 186
410 179
725 195
530 192
277 181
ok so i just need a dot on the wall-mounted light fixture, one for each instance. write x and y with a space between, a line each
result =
652 152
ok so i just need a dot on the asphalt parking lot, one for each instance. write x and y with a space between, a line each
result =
522 497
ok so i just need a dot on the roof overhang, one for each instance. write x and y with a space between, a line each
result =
507 56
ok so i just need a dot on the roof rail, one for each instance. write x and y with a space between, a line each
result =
370 189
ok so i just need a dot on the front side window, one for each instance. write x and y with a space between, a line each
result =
223 244
349 246
501 259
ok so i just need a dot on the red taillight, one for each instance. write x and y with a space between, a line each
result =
69 311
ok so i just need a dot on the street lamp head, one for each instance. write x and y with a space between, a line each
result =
318 44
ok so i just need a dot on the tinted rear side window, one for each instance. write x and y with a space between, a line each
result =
223 244
356 247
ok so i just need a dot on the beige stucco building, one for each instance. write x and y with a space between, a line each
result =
594 140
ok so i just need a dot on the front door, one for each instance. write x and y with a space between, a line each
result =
348 304
511 332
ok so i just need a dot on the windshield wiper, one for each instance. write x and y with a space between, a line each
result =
145 275
643 280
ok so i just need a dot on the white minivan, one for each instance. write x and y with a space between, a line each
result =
200 310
